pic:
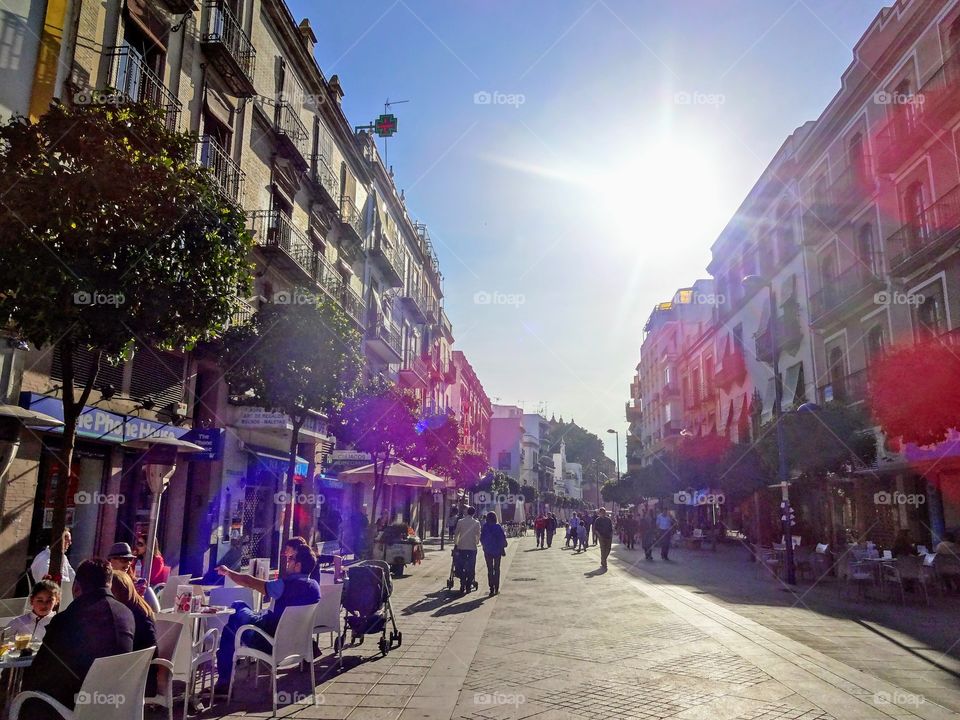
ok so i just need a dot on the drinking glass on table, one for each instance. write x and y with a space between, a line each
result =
22 641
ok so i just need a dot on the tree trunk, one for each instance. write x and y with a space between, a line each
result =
290 485
72 407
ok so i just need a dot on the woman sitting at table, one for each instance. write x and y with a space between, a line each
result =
159 572
45 595
144 630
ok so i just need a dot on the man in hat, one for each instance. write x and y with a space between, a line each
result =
121 559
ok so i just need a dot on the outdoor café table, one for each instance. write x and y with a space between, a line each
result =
14 665
195 624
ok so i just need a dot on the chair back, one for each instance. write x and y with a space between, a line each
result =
226 596
822 548
888 554
168 637
922 550
947 564
328 609
698 533
929 559
66 594
294 636
168 596
113 688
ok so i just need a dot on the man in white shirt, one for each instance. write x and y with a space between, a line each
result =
41 563
466 539
665 531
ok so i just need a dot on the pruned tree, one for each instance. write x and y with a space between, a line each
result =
295 359
111 235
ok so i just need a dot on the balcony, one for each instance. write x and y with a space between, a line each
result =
415 303
229 49
815 223
919 241
634 412
386 256
850 389
383 341
670 390
324 182
243 313
450 373
852 187
434 367
352 304
671 429
280 239
414 374
789 333
445 326
179 7
326 276
732 369
918 119
136 82
352 220
843 292
289 131
225 170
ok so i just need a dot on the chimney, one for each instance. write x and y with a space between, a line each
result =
307 35
335 89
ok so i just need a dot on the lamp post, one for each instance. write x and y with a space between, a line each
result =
753 282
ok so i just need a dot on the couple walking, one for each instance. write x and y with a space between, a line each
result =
467 535
545 527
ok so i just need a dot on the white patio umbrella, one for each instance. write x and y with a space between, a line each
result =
13 419
158 474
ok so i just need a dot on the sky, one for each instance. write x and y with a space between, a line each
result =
575 159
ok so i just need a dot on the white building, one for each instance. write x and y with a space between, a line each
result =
567 476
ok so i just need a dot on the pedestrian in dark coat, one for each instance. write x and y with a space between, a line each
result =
494 542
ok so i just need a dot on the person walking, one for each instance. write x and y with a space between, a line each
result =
494 542
572 531
629 530
665 525
466 538
583 535
540 529
455 515
588 522
603 531
648 533
551 528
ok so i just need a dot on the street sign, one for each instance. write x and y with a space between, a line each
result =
386 125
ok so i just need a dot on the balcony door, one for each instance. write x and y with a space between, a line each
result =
828 277
837 373
142 56
857 160
915 216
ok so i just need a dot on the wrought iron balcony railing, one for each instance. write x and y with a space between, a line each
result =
230 48
225 170
136 81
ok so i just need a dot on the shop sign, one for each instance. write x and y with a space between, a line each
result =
349 457
210 439
260 418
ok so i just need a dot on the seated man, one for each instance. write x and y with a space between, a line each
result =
94 625
294 588
290 546
41 563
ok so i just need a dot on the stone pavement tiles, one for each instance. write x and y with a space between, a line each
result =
563 640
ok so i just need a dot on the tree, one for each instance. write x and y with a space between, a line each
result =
438 445
111 235
931 408
380 420
294 358
471 467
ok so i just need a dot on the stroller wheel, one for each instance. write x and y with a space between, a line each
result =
384 646
449 584
399 638
476 585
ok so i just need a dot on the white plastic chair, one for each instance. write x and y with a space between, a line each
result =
168 596
291 646
328 612
203 660
121 678
168 637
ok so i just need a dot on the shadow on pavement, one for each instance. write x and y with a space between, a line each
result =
461 607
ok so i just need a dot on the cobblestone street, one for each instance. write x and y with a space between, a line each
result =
565 641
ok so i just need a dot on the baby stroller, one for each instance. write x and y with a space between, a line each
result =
464 574
366 606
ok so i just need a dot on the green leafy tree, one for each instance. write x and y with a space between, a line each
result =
295 359
111 235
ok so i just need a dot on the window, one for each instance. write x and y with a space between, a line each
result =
697 387
837 373
875 343
856 160
866 253
504 460
738 338
929 318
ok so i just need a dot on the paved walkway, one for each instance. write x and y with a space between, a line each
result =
563 640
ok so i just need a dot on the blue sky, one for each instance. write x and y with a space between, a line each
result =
575 159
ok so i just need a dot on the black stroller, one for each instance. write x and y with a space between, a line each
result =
366 606
459 570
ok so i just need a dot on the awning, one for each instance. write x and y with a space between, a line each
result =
276 461
29 418
140 12
398 473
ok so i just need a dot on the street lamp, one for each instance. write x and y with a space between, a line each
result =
752 283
